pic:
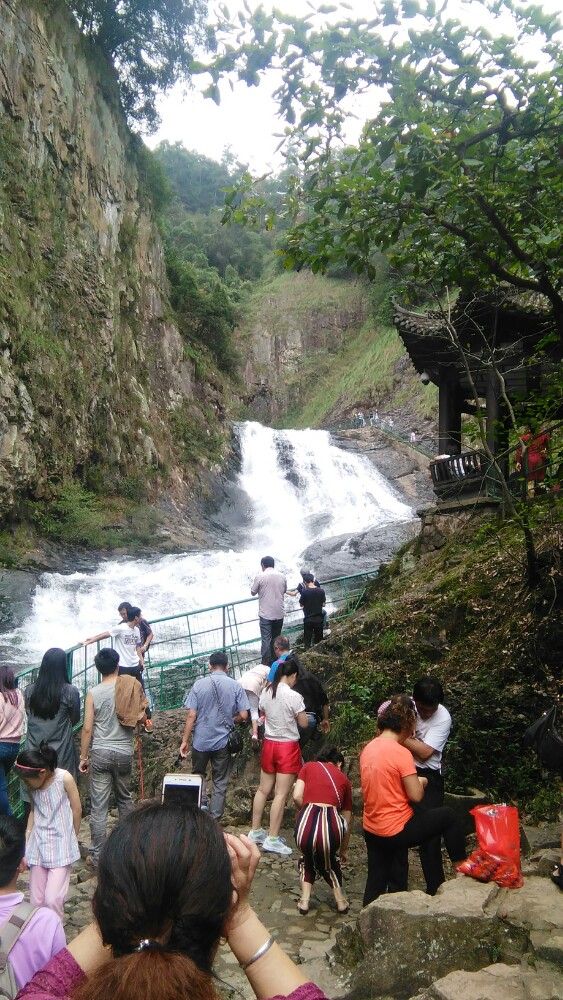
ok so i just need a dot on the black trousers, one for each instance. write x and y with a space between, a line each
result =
388 866
431 852
312 631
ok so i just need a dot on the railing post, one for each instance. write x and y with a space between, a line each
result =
224 626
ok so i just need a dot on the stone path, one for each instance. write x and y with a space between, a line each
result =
275 894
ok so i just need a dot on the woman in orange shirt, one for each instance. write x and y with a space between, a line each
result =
389 785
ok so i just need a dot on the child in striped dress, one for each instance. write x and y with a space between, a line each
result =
53 825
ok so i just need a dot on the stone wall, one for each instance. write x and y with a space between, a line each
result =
440 522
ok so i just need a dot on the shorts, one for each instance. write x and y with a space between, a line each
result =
281 757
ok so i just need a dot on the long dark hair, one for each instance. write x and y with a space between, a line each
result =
45 698
330 755
164 876
286 668
8 684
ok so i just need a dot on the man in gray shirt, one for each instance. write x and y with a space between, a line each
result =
215 704
111 759
270 585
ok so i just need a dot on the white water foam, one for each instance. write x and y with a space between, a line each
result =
300 487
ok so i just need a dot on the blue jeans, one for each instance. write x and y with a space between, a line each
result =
8 754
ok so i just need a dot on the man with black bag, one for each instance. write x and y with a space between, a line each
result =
215 704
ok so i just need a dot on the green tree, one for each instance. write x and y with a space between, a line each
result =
457 177
150 44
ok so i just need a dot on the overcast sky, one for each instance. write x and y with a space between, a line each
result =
246 119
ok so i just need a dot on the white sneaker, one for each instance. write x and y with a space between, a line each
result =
257 836
276 845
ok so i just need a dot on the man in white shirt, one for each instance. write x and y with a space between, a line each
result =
427 746
270 585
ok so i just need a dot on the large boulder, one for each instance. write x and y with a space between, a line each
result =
497 982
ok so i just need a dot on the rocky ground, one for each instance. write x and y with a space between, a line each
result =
328 945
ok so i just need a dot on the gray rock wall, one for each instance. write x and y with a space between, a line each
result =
91 364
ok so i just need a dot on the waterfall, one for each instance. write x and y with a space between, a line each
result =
300 489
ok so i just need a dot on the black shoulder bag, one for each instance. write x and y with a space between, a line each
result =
543 737
234 739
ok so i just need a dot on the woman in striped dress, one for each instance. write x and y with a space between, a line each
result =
322 828
52 827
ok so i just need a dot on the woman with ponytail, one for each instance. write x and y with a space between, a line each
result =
389 785
170 884
280 762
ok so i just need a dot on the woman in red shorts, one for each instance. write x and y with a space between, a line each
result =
281 757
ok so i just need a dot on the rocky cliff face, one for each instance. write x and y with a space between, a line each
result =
300 323
91 364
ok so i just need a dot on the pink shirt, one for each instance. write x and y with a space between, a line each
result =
41 939
12 718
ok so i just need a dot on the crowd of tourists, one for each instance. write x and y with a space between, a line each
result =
171 882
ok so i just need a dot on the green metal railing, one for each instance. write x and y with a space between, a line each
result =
182 643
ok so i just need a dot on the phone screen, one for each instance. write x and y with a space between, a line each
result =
182 795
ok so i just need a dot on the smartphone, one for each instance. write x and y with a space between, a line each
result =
183 789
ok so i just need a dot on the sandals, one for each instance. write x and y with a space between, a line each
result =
302 908
342 912
557 875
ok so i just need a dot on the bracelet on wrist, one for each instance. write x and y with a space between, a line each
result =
261 951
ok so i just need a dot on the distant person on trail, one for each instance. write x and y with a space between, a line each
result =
42 936
215 704
126 637
413 437
433 725
312 600
106 749
270 585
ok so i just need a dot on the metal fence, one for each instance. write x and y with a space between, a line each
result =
182 644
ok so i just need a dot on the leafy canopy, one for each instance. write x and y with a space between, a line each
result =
149 42
458 174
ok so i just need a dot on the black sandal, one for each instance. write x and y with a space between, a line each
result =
557 875
303 910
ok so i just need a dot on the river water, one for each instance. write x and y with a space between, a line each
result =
295 488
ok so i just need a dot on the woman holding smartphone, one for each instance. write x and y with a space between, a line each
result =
170 884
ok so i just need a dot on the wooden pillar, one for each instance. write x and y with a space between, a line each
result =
449 413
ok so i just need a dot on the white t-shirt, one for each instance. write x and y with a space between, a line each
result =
125 641
281 713
434 732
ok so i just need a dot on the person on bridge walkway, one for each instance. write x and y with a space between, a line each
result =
270 585
215 704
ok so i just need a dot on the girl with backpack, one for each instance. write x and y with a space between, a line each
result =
52 827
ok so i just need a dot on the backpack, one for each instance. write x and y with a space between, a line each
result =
9 934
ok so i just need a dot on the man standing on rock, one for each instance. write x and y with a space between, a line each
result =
270 585
215 704
427 746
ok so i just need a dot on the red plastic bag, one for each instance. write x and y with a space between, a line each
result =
497 859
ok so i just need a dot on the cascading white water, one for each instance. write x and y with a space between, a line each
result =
300 489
